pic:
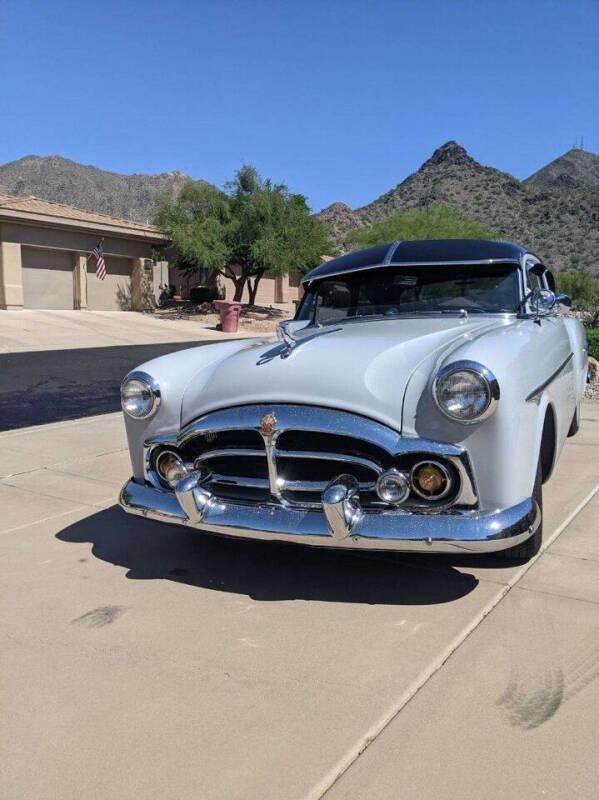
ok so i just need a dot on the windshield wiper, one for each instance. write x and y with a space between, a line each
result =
353 317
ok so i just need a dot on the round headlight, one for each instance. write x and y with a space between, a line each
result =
466 391
140 395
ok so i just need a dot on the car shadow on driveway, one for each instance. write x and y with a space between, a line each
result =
263 570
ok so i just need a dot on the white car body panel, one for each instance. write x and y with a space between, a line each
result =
383 369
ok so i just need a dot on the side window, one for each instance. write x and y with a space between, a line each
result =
534 281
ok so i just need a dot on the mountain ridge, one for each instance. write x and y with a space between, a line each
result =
576 168
88 187
558 221
554 211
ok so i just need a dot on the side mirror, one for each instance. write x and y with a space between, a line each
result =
542 301
563 299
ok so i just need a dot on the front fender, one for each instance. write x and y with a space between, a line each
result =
173 373
504 449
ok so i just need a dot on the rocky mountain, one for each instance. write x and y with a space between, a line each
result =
555 211
576 168
89 188
340 219
559 221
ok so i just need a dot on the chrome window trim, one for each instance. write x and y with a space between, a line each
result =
392 248
536 393
152 384
484 373
466 262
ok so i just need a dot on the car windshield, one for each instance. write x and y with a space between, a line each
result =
390 291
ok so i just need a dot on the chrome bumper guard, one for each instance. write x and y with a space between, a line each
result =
342 523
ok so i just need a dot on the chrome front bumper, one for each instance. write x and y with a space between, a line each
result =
446 532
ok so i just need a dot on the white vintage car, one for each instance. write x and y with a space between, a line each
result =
417 402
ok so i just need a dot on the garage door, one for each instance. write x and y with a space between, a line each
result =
114 292
47 278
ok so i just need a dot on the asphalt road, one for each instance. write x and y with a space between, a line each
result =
53 385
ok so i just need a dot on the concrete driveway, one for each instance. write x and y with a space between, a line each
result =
57 365
33 330
144 661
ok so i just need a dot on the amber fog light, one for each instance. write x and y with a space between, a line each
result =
430 479
392 487
170 467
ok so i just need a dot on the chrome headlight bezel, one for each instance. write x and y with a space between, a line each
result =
487 380
152 386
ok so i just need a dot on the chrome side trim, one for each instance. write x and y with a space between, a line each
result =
536 393
450 532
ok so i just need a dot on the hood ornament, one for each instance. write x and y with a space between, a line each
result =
267 424
285 335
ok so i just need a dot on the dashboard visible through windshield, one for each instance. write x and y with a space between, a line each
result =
391 291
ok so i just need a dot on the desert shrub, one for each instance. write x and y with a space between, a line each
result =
436 221
581 286
593 337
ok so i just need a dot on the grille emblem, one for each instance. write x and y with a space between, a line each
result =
267 424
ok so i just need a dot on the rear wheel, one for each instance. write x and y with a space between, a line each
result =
575 424
529 548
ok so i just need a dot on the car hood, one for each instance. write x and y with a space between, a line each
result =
362 367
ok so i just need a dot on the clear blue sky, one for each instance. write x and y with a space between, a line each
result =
341 99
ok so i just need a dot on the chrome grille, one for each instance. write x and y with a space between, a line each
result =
292 461
302 473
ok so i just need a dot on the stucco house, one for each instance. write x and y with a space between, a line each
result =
44 250
271 289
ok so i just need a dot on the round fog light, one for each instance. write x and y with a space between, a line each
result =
170 467
430 480
392 487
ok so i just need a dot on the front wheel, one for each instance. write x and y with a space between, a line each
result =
525 551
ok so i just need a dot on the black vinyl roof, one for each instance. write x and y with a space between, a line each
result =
435 251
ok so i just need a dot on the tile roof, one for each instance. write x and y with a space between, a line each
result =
35 205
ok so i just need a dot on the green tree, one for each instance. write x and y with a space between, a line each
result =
581 286
251 227
436 221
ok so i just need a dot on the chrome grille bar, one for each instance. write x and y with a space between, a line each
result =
267 476
231 452
292 486
326 456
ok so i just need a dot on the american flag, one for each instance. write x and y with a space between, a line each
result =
98 252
